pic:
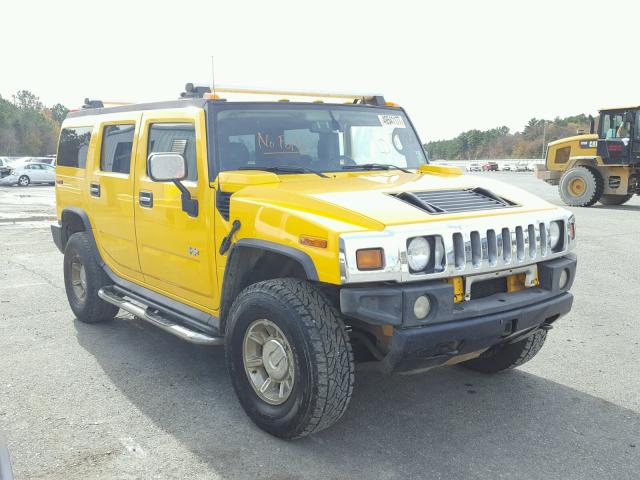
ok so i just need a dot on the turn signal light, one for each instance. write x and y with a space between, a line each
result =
369 259
313 242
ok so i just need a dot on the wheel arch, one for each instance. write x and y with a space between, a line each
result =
74 220
253 260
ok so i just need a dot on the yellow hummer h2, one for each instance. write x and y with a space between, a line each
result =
304 237
598 167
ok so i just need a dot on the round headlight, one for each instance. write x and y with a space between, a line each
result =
418 253
554 234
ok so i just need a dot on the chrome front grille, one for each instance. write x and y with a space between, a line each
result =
471 246
481 249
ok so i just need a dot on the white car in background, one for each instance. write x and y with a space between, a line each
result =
27 173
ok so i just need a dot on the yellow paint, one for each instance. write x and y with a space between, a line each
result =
458 288
444 170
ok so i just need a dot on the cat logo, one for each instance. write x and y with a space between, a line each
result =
194 252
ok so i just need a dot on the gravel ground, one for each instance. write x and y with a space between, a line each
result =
125 400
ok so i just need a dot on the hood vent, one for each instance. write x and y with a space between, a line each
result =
454 201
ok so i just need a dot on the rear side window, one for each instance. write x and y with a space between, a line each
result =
175 138
74 146
117 141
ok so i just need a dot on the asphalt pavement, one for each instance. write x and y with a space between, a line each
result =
126 400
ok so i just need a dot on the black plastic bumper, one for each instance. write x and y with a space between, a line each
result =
452 329
416 348
56 233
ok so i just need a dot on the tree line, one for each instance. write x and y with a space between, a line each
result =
27 127
499 142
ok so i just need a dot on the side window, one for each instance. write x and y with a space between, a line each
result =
175 138
74 146
117 141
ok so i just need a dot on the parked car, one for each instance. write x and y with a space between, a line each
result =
28 173
507 167
490 167
474 167
4 167
520 167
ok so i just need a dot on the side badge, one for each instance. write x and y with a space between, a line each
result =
194 252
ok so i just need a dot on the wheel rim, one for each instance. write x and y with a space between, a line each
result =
78 279
268 361
23 181
577 187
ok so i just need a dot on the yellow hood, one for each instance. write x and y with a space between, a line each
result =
364 200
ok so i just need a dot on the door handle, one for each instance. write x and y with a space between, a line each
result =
146 199
94 189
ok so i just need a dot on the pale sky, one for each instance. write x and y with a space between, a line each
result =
454 65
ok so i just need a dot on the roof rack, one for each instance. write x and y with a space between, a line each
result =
200 91
88 103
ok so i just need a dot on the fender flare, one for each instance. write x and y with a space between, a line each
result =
293 253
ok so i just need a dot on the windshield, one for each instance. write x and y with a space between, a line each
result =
314 137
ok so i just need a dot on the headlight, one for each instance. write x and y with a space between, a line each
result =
418 253
555 235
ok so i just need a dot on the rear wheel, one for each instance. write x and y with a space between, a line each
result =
581 186
510 355
289 357
24 181
83 277
614 199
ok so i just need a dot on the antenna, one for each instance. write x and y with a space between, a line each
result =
213 81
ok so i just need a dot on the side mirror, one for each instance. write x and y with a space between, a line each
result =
167 167
172 167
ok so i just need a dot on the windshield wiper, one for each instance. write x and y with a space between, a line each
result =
286 170
375 166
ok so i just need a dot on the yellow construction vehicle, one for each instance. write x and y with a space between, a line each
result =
601 166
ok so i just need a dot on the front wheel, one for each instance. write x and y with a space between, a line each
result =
24 181
614 199
289 357
510 355
581 186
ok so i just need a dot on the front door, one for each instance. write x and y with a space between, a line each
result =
176 249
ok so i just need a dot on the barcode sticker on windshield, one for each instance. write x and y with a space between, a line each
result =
392 120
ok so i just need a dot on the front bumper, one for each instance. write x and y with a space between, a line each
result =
456 329
8 180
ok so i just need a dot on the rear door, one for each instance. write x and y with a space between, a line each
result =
176 250
111 183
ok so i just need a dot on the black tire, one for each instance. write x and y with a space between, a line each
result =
594 186
319 347
614 199
88 308
24 181
510 355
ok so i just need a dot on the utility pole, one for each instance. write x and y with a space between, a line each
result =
544 137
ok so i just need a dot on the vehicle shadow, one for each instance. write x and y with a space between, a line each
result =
632 208
447 423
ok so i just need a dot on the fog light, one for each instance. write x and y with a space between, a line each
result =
564 279
421 307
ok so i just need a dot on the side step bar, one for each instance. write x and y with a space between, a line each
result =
157 319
